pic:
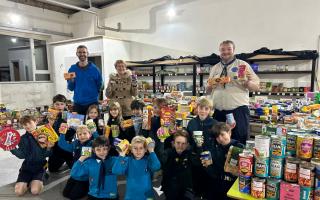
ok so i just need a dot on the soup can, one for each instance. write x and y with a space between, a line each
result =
245 164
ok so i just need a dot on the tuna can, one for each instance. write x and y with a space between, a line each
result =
291 170
278 146
244 184
245 164
273 189
262 145
306 193
304 147
316 147
276 168
306 174
261 167
291 143
258 188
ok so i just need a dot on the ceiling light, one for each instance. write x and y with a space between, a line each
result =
13 40
171 12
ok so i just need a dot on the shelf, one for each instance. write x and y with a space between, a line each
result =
279 93
284 72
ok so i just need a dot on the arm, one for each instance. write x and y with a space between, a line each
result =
20 152
253 82
153 162
71 83
99 81
64 144
163 155
109 92
80 169
120 166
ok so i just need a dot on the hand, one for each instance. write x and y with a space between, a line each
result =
82 158
151 147
206 163
50 145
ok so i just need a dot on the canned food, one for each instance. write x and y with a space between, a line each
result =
278 146
306 193
261 167
316 147
291 169
230 120
291 143
150 142
258 188
123 145
306 175
250 145
276 168
244 184
304 147
245 164
262 146
206 155
273 189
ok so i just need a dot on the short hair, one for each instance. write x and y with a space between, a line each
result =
181 133
139 139
137 105
204 102
60 98
82 128
101 141
93 106
26 119
160 101
120 62
220 127
82 47
228 42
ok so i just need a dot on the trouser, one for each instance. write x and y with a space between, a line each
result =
241 115
58 157
218 189
82 109
75 189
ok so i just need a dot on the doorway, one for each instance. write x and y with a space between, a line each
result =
16 70
97 60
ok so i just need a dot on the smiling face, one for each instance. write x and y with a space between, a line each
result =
114 112
224 138
101 152
226 51
82 54
83 136
93 113
121 68
138 150
30 126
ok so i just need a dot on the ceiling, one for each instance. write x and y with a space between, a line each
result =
57 8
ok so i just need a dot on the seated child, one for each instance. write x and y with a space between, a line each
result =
94 114
77 187
98 169
32 169
138 169
220 180
177 168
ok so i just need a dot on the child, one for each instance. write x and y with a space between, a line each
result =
177 168
77 187
138 168
102 183
32 170
220 180
115 118
94 114
60 156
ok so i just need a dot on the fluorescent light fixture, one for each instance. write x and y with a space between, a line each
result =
13 40
14 18
171 12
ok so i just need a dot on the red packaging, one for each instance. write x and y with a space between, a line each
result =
9 139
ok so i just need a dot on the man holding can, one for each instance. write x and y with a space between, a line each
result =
229 84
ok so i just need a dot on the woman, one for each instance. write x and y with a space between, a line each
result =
122 87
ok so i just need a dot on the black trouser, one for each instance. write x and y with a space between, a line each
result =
218 189
95 198
75 189
176 192
82 109
241 116
58 157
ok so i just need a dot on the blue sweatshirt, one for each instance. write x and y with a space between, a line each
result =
86 85
138 172
90 168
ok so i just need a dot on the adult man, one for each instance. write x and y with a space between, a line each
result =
87 82
232 97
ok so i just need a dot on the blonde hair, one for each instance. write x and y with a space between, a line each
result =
139 139
120 62
204 102
116 105
81 129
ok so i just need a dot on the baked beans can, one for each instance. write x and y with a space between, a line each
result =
273 189
244 184
304 147
291 170
258 188
306 174
262 146
306 193
316 147
276 168
261 167
245 164
291 143
278 146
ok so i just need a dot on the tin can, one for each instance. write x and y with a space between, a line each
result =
304 147
278 146
261 167
206 155
258 188
123 145
316 147
273 189
150 142
262 146
115 131
306 193
250 145
230 120
276 168
291 143
107 131
244 184
245 164
306 174
291 169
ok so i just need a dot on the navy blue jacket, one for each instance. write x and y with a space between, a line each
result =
34 156
86 85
